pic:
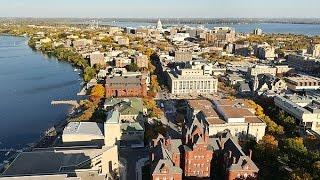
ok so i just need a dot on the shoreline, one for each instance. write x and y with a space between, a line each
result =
44 141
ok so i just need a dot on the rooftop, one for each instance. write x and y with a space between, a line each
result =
84 128
126 127
51 161
126 106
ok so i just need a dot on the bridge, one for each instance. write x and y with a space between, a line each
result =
68 102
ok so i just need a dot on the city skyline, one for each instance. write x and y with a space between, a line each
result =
162 9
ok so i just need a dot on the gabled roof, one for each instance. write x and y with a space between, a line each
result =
168 165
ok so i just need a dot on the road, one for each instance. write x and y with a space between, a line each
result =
132 156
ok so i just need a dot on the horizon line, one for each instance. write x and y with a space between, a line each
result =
88 17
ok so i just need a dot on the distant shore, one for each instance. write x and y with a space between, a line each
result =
167 20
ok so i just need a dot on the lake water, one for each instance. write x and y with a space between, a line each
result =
306 29
29 81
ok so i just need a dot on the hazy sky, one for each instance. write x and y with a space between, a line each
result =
160 8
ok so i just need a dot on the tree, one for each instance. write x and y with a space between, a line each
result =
272 127
268 143
87 114
294 145
88 74
267 148
133 67
149 52
300 175
98 91
154 84
153 110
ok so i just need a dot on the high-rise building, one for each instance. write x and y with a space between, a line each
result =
257 31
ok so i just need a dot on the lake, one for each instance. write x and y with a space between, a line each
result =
29 81
305 29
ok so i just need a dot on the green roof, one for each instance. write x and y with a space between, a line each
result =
131 127
127 106
113 117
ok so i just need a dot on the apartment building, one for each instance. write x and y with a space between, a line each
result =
82 43
220 36
121 62
265 51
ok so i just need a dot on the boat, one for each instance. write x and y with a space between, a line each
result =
75 70
7 153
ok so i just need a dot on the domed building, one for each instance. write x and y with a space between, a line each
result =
159 25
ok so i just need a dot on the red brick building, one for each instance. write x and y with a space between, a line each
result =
194 156
165 159
123 86
197 152
235 163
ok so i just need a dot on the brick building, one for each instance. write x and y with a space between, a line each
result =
198 156
126 86
165 158
198 152
234 161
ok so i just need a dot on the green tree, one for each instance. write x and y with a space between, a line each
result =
300 175
294 145
133 67
88 73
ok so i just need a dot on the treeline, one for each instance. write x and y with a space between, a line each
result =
282 153
68 55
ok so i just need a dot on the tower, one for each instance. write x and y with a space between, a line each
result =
112 130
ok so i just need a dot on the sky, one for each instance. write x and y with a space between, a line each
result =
161 8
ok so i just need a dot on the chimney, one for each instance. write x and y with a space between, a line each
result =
250 153
234 160
152 157
230 154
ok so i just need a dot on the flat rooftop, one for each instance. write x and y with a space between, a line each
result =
50 161
84 128
225 108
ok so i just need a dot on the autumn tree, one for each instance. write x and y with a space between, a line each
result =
294 145
154 85
300 175
98 91
153 110
267 148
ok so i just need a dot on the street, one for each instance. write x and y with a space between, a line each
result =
131 156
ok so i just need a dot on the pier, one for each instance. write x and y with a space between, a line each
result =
68 102
7 150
